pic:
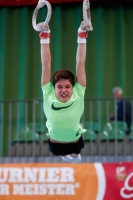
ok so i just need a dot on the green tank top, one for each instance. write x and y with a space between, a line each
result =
63 119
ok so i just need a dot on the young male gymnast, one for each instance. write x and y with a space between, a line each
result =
63 99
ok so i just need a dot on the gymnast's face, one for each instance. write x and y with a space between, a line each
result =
63 90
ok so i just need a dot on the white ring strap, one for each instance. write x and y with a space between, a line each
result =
87 14
37 28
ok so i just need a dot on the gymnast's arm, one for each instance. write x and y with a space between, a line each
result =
81 57
46 64
80 66
45 54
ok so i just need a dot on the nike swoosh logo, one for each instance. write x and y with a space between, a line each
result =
59 108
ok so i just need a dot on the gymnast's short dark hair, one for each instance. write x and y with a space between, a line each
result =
63 74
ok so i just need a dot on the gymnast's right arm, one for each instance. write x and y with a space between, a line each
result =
45 56
46 64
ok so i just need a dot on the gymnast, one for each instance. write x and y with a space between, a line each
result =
63 98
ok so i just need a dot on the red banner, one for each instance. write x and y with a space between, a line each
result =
65 181
119 181
32 2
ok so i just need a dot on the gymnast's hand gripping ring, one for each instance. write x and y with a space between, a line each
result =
40 4
87 14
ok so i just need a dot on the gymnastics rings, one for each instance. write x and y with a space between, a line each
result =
87 14
40 4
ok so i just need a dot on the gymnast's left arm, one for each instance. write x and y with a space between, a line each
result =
81 55
45 55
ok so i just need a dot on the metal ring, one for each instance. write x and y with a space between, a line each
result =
35 26
87 14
